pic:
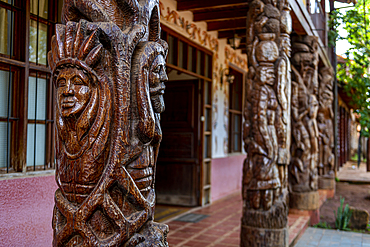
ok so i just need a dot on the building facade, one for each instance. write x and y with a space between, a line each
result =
201 155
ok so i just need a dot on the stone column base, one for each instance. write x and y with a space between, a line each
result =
326 183
256 237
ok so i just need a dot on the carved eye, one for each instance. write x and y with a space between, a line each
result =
61 82
78 81
157 69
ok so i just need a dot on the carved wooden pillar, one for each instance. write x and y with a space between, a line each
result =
267 125
108 67
326 129
303 173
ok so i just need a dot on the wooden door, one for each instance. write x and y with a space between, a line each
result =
177 179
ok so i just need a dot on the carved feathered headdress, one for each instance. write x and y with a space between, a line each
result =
72 47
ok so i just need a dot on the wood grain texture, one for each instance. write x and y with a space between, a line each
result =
325 123
108 66
303 173
266 127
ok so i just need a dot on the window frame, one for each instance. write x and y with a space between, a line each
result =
18 61
238 73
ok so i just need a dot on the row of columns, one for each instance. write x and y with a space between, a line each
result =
288 128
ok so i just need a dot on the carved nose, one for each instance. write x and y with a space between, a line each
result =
69 90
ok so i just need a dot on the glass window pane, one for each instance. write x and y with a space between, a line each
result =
171 42
36 148
237 123
37 98
208 66
208 120
199 62
6 31
237 143
38 42
4 93
207 92
3 143
181 54
207 146
236 101
42 6
191 65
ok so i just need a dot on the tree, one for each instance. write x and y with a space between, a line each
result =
355 73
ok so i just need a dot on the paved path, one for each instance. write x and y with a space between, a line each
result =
350 173
221 227
314 237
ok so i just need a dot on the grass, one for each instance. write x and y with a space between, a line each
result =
355 158
322 224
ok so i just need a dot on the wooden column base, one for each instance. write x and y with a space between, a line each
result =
254 237
265 228
304 200
326 183
305 203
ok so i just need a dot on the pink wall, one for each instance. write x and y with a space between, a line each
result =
26 207
226 176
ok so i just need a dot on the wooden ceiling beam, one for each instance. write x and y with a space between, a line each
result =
227 25
193 5
229 34
221 14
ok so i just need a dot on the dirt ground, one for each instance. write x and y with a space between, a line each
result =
355 195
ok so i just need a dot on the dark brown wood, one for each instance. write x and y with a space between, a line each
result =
303 174
196 5
220 14
108 66
226 25
230 34
178 161
19 160
266 127
235 109
12 62
325 123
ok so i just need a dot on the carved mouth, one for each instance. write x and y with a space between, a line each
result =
68 103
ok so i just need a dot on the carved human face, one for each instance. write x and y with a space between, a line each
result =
321 118
267 75
73 91
157 77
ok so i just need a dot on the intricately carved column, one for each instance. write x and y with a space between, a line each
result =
108 67
305 148
326 132
267 125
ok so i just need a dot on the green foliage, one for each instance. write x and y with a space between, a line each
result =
343 216
355 73
337 179
333 24
322 224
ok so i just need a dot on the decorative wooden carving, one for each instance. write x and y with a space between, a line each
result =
304 150
108 67
325 125
267 125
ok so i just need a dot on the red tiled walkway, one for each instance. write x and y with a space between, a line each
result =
222 227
